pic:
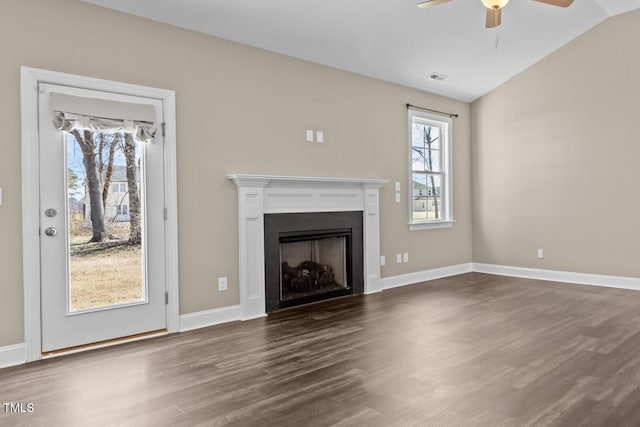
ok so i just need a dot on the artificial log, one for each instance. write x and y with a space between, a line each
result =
307 276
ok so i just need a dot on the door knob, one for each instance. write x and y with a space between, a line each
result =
51 231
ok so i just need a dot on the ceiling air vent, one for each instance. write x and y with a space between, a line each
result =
437 76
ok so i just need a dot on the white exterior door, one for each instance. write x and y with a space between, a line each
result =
114 286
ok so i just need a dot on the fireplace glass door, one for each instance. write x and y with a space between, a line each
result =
313 266
312 256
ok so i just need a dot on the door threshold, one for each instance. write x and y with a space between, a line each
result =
103 344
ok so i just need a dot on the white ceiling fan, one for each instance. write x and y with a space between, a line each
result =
494 8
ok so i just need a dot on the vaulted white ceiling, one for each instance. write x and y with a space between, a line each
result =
392 40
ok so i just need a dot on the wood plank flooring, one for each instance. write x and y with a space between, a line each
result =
470 350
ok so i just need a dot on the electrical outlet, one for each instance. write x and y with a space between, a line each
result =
397 197
309 135
406 257
399 258
222 283
540 253
383 260
397 185
319 136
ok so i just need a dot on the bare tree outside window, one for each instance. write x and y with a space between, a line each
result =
427 156
86 142
135 233
103 153
105 219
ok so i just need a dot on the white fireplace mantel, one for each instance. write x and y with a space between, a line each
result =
264 194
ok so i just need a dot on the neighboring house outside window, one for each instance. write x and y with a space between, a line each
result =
117 202
430 171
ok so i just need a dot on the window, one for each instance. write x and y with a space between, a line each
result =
122 210
119 187
430 171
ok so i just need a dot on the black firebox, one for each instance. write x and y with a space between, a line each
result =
311 257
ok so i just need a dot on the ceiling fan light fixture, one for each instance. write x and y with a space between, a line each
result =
494 8
494 4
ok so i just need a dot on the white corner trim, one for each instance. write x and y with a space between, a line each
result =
171 204
12 355
202 319
423 276
29 79
560 276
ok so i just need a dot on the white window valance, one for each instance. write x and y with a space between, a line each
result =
76 112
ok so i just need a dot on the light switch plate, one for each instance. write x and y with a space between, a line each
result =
0 196
320 136
397 185
309 135
397 197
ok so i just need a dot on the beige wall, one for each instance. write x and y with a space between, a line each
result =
239 110
555 159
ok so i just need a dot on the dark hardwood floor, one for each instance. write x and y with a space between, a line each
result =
470 350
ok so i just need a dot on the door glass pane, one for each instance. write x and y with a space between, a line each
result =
105 220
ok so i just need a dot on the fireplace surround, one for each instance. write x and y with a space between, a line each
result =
312 256
273 194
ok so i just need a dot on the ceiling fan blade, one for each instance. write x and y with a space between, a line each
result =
494 17
561 3
429 3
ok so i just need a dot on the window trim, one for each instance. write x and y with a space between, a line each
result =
446 122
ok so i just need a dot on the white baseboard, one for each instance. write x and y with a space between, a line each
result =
12 355
423 276
202 319
560 276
